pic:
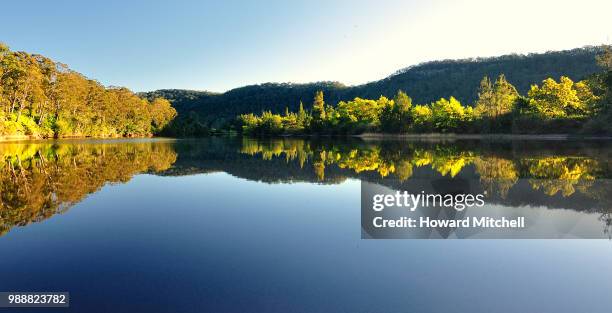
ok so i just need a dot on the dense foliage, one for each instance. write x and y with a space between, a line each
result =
601 83
425 83
553 106
43 98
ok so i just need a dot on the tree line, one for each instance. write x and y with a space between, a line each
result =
552 106
201 112
43 98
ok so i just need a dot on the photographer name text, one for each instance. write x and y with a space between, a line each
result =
426 222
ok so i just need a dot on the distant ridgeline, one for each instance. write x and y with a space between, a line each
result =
41 98
424 84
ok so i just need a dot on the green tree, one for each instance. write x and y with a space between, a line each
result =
422 117
601 84
495 100
271 123
561 99
605 59
302 117
249 122
396 115
162 113
486 98
357 115
318 109
447 115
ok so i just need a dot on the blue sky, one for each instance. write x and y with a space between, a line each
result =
219 45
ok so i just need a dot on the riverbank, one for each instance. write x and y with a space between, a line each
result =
364 136
8 138
17 137
452 136
447 136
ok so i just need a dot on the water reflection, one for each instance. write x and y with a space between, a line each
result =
40 179
500 162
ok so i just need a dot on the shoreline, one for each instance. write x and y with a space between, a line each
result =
445 136
364 136
452 136
13 138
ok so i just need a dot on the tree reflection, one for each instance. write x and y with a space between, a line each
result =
497 172
40 180
497 175
561 174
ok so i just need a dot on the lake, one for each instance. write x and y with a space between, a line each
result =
275 225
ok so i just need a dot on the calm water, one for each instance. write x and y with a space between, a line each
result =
243 225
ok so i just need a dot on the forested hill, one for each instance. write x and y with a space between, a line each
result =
424 83
430 81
